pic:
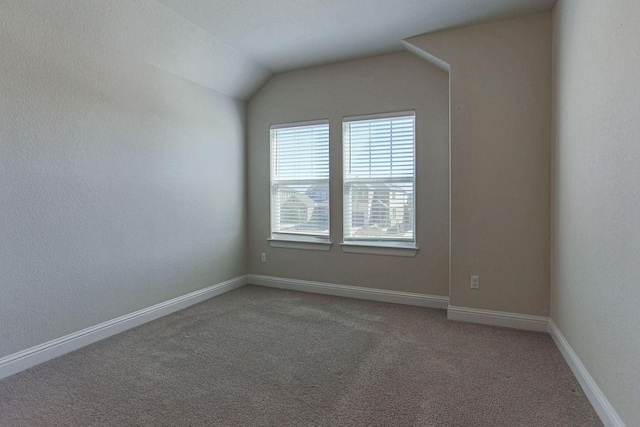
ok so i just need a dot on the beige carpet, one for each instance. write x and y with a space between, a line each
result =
265 357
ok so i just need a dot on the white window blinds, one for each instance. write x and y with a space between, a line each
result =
300 181
379 178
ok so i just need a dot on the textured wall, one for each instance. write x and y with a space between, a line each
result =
396 82
596 200
500 168
121 185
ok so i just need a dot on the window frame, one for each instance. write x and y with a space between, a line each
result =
377 245
304 241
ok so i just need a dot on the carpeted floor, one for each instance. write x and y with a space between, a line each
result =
266 357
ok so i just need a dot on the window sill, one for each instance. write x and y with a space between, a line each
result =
300 244
379 249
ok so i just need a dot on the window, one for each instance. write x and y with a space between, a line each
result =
300 182
379 180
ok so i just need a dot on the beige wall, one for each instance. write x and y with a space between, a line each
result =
595 290
396 82
500 150
121 185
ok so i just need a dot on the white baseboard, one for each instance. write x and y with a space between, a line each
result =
397 297
498 318
600 403
25 359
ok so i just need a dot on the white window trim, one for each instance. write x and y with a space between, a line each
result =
308 245
390 248
401 249
299 124
389 115
299 241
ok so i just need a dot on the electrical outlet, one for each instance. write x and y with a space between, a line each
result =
475 282
264 257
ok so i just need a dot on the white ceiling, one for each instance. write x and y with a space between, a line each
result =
233 46
289 34
147 31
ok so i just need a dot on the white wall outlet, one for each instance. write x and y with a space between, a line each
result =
264 257
475 282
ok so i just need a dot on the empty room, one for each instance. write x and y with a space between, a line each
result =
319 213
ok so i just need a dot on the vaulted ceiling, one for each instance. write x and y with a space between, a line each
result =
233 46
288 34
